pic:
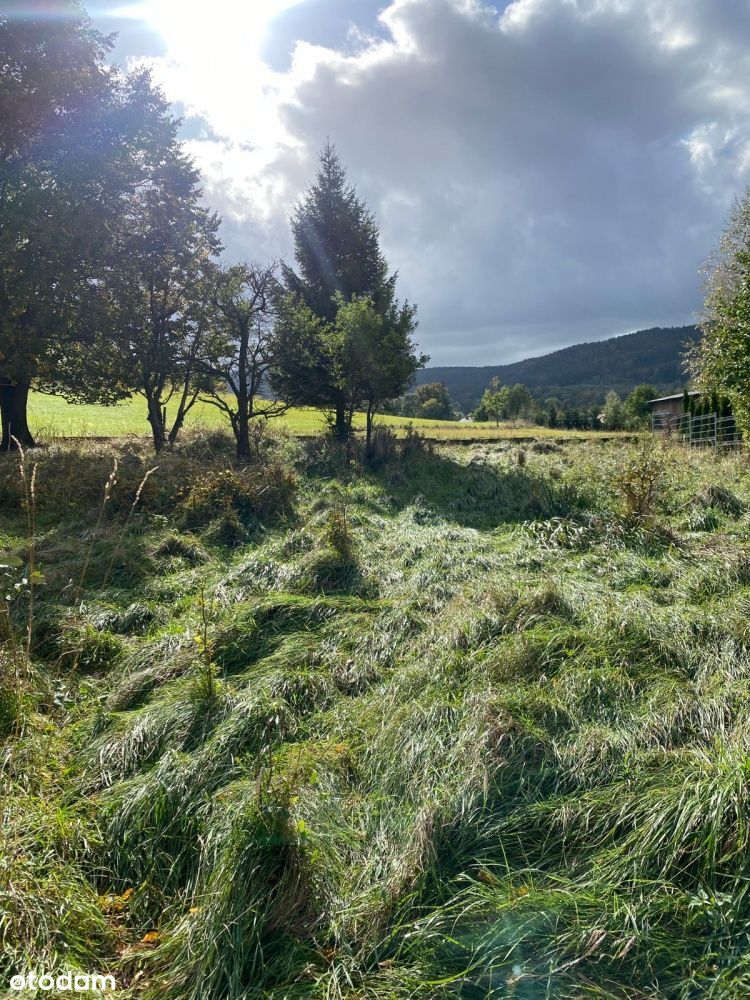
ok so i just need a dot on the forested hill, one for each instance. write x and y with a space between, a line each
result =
583 373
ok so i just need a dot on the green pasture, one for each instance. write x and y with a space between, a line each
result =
53 417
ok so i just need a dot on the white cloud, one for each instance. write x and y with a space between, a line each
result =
548 172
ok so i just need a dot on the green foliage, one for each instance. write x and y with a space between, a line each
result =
240 350
721 363
95 181
11 707
155 281
430 401
636 405
615 412
641 480
65 124
519 402
494 402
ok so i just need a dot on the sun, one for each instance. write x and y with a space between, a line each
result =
190 27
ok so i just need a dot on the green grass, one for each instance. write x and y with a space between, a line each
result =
463 726
52 417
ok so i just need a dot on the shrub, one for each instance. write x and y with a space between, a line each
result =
414 444
640 480
250 495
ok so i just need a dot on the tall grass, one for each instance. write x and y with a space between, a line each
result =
451 726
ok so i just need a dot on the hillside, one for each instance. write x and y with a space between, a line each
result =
583 373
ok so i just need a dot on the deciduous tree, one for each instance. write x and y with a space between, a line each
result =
157 277
244 348
65 131
494 402
720 362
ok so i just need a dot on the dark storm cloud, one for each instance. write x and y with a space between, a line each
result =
545 172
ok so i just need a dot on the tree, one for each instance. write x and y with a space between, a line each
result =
65 132
337 251
637 406
554 411
432 401
157 277
362 358
720 362
614 412
494 401
375 356
519 402
244 349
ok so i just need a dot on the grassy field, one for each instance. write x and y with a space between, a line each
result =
472 724
52 417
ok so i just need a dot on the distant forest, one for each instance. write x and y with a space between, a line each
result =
580 375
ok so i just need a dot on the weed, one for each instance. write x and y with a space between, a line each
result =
640 480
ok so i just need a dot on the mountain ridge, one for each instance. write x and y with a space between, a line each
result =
580 374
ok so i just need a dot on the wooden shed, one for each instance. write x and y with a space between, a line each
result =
665 408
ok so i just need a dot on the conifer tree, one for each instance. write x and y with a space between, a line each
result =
338 263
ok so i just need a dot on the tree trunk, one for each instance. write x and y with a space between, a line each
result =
368 436
13 409
242 431
156 419
342 430
186 404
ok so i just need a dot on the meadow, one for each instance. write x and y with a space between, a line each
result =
465 722
52 417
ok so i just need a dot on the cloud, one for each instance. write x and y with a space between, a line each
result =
544 171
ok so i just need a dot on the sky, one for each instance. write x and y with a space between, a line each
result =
544 172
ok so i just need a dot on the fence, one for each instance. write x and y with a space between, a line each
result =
708 430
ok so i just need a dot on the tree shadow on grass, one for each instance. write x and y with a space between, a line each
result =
476 495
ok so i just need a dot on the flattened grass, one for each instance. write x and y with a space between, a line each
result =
506 753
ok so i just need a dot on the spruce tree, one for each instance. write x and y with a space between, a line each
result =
338 263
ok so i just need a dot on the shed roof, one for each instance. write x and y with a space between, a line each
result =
667 399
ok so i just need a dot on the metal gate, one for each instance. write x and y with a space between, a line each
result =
705 431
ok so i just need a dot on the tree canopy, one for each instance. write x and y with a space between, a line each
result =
720 363
61 178
156 280
94 190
